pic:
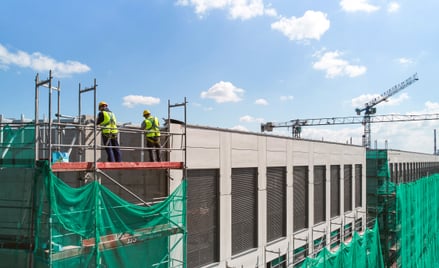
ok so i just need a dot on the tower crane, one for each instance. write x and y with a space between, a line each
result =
297 124
369 107
369 110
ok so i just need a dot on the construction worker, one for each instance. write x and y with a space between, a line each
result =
107 121
151 126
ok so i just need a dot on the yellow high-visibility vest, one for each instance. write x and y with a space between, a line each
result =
152 127
109 125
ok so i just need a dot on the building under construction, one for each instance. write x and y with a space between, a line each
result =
219 198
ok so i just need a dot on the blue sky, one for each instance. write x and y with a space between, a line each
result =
239 63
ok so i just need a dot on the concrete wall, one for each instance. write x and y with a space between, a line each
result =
409 166
396 156
224 149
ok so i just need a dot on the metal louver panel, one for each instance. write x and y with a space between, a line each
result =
347 188
244 209
335 191
202 217
276 202
319 193
358 185
392 173
300 185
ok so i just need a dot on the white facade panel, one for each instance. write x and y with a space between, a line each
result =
244 142
210 159
227 149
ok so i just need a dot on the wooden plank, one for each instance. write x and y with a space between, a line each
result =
88 166
72 166
139 165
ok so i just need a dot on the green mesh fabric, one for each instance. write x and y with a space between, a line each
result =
17 146
92 227
408 214
381 202
17 160
47 223
17 186
362 251
418 219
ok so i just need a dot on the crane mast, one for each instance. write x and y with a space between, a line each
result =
369 107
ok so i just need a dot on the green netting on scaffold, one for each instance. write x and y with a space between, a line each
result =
90 226
362 251
17 146
418 219
17 186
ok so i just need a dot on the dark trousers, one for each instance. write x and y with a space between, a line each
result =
113 152
153 142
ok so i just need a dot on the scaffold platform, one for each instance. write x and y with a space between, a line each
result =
89 166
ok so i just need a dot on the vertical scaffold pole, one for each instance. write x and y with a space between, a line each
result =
95 132
45 83
93 88
59 116
36 129
50 118
81 130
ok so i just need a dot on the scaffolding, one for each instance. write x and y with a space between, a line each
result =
75 210
402 197
381 202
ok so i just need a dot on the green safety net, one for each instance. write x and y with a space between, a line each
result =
17 160
381 201
418 221
408 214
362 251
17 146
47 223
90 226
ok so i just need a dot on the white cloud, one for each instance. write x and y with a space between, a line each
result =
261 102
432 107
334 66
404 61
357 5
360 101
204 108
415 136
39 62
396 100
286 98
312 25
271 12
237 9
223 92
393 7
240 128
132 100
250 119
343 135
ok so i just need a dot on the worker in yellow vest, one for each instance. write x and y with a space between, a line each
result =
107 121
151 126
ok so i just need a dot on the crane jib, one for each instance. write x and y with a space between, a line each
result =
390 92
